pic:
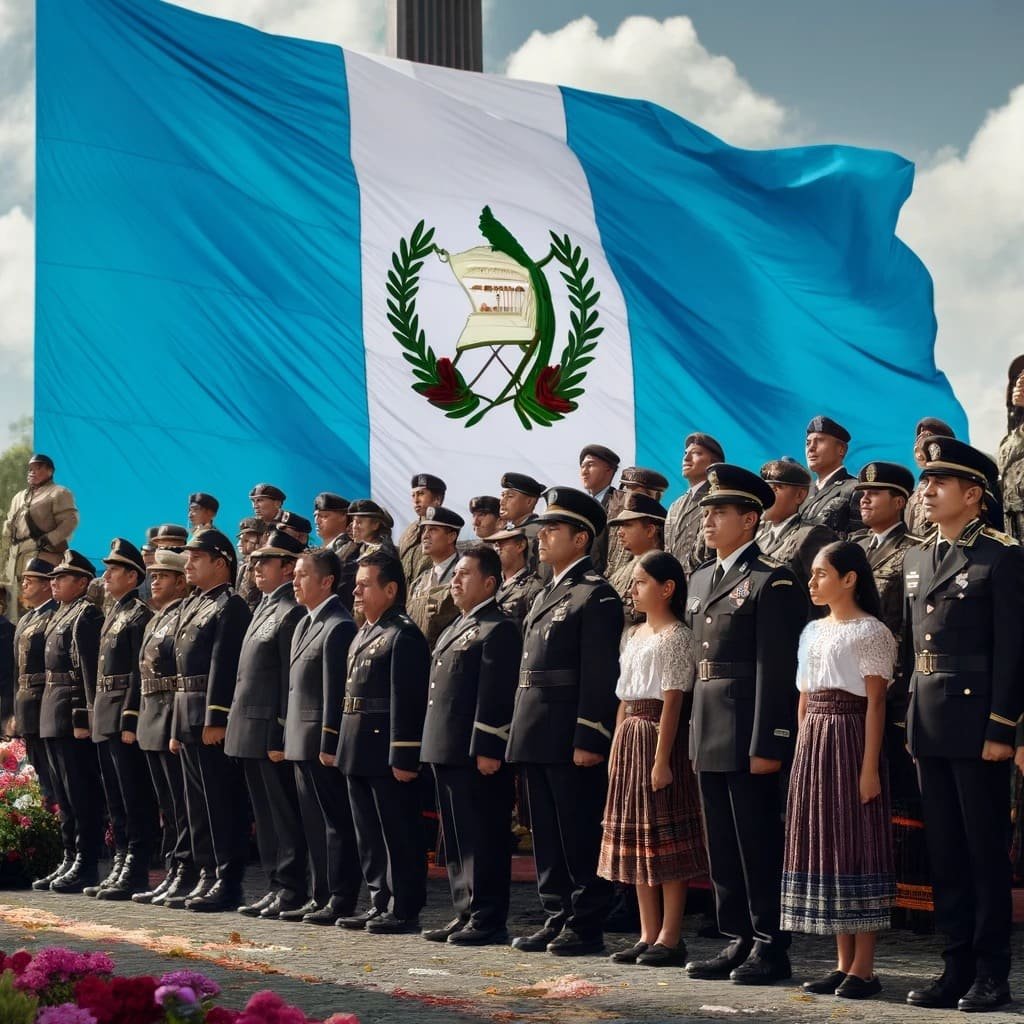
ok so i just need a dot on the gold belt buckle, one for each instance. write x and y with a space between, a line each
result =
704 670
926 663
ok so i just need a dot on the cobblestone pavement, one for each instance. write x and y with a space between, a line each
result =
392 978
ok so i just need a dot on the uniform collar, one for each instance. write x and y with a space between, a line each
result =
730 560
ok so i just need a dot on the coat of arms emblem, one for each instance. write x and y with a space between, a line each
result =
510 326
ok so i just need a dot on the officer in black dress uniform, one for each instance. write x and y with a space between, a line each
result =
832 500
379 747
330 514
473 677
115 713
964 658
520 585
316 684
70 654
158 673
746 613
255 732
29 645
211 626
562 725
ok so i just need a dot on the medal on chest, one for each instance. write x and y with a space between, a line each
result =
740 593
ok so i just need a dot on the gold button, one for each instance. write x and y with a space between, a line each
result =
927 636
705 645
433 685
430 702
967 691
708 620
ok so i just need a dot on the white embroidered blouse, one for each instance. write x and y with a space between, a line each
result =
838 655
661 661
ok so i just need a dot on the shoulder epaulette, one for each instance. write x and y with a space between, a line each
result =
594 577
769 561
998 535
915 539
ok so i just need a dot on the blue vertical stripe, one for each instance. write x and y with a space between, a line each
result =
761 288
199 307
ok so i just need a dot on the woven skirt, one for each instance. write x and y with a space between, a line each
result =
650 838
838 873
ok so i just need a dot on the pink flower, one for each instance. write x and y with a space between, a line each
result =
201 985
66 1013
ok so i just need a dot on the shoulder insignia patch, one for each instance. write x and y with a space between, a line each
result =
782 583
998 535
770 562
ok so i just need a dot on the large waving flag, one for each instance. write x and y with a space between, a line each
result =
260 258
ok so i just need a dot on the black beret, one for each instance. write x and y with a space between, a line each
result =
267 491
638 476
599 451
826 425
38 568
441 516
43 460
325 501
367 507
890 476
705 441
279 545
73 562
522 483
214 543
292 519
428 480
249 525
946 456
786 471
734 485
639 506
123 552
204 500
930 425
484 503
151 532
568 505
171 531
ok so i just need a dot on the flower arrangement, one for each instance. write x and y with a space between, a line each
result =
61 986
30 844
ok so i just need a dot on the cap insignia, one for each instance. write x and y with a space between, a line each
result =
871 473
934 451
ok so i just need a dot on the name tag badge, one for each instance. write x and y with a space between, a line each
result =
559 614
695 605
912 582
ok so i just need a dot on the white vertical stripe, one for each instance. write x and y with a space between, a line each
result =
436 145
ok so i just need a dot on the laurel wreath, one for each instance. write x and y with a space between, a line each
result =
540 394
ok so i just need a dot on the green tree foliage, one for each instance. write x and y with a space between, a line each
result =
13 463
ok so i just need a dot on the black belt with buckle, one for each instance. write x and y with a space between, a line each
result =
366 705
60 679
725 670
105 684
31 680
191 684
926 663
158 684
549 677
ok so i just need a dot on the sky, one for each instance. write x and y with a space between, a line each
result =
939 81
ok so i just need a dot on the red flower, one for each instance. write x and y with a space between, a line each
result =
448 391
545 388
119 1000
221 1015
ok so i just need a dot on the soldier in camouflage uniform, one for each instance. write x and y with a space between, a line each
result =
520 585
598 466
684 533
917 522
634 480
1011 453
428 491
431 605
640 528
202 508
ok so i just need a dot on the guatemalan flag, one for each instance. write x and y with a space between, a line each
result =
265 259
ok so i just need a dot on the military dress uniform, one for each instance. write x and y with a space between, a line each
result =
430 604
381 728
516 595
746 623
158 678
636 506
70 658
342 545
473 676
684 529
566 701
316 680
256 725
964 656
210 629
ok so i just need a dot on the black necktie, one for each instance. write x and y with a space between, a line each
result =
302 630
716 576
940 552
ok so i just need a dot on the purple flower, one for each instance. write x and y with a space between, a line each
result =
175 994
204 987
66 1013
58 964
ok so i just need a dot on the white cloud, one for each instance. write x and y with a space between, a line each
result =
965 219
17 145
663 61
17 245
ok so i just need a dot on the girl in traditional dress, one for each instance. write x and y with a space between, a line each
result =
653 838
838 872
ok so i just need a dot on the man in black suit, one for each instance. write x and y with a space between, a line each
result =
833 502
211 625
316 681
746 614
72 647
115 716
562 725
159 674
473 676
964 657
256 727
379 747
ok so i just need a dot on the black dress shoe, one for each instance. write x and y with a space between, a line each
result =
388 924
570 943
628 956
359 921
134 877
825 986
855 987
298 913
81 875
154 894
223 895
537 942
759 970
719 967
473 936
255 908
327 914
941 993
187 886
984 995
456 924
660 955
109 879
43 884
